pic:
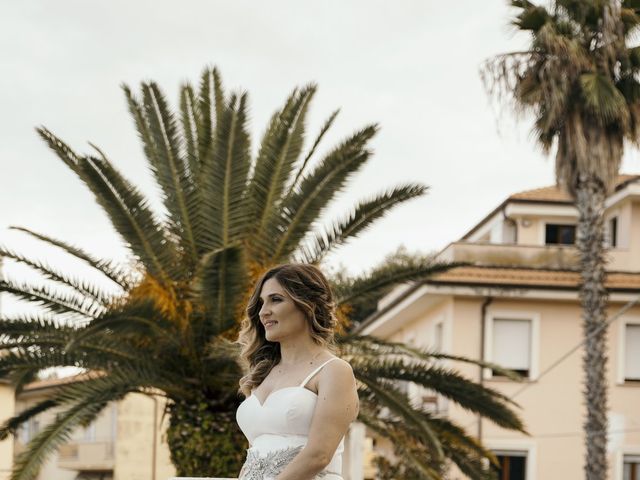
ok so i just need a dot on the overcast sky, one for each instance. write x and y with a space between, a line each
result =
411 66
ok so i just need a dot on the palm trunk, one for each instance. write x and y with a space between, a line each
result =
590 198
204 439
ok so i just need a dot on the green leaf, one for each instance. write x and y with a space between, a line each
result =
364 214
169 168
303 207
108 268
220 284
603 99
280 147
224 179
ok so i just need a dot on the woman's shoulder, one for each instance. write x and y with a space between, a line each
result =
337 367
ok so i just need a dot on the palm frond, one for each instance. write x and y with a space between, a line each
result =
191 120
211 105
108 268
391 430
169 168
388 395
79 286
303 207
363 215
446 382
357 345
219 284
132 217
466 452
126 207
46 334
87 408
64 303
603 99
279 150
140 319
394 273
32 326
325 128
11 425
224 179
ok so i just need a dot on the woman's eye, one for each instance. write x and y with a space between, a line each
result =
276 299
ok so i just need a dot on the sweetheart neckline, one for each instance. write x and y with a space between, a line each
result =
279 390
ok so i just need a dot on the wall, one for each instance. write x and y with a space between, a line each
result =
138 416
7 407
551 407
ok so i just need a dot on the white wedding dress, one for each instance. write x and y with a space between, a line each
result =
278 429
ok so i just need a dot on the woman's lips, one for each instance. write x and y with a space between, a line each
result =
270 324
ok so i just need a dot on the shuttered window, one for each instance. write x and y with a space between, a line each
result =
632 352
513 465
631 470
511 341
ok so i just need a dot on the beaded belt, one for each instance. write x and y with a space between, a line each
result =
269 466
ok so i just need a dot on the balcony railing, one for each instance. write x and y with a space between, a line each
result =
87 456
560 257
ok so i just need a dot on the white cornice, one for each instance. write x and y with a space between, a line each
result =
531 209
396 312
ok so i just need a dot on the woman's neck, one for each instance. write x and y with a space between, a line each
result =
296 351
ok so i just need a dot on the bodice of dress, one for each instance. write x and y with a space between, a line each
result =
278 428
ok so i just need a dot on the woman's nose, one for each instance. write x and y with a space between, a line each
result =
264 310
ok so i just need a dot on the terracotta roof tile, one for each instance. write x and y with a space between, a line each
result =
555 194
526 277
56 382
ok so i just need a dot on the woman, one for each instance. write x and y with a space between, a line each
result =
300 397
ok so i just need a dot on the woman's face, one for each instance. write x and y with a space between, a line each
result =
279 315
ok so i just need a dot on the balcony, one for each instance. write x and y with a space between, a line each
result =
556 257
86 456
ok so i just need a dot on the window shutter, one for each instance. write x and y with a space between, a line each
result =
632 352
512 343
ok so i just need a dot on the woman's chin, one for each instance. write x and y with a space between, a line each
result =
271 337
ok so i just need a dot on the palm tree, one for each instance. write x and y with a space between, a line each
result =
227 218
579 78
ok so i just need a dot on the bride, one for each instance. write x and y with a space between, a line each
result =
300 397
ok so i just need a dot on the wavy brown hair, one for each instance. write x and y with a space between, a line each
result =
310 291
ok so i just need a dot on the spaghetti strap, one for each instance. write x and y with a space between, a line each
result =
304 382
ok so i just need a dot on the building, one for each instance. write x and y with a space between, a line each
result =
7 405
123 443
126 441
517 306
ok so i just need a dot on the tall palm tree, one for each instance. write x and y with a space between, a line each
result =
579 78
227 218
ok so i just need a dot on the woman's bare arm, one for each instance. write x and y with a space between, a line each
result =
337 406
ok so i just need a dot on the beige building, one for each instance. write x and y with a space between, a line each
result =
123 443
7 405
518 306
126 442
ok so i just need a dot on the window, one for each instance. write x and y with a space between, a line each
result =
513 465
438 337
89 434
28 430
631 467
560 234
613 232
511 344
114 422
632 352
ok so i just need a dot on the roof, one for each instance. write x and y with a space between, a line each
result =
549 195
556 194
56 382
513 277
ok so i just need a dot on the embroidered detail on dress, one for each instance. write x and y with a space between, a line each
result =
269 466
